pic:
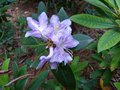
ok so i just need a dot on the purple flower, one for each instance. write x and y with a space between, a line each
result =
37 27
60 34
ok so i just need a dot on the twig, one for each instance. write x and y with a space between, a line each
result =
4 72
21 77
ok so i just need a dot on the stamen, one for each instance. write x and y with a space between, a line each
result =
69 51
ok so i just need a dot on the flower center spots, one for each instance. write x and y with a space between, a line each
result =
50 43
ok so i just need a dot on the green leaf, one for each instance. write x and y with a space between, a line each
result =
100 5
111 3
97 58
75 62
6 32
20 84
41 7
92 46
65 76
97 73
84 84
91 83
34 64
91 21
21 21
117 85
62 14
35 16
108 40
115 63
118 3
40 50
3 9
4 78
2 1
20 51
104 64
32 42
118 22
38 81
77 66
84 40
107 76
22 70
81 66
5 64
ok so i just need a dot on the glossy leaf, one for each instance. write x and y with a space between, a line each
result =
84 40
108 40
35 84
41 7
35 16
111 3
65 76
62 14
100 5
91 21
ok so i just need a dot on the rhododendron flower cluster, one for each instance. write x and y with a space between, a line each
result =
57 34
